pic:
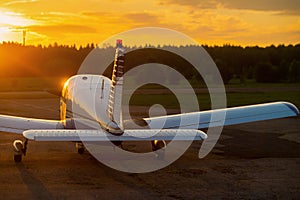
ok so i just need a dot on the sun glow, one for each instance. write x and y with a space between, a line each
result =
208 22
14 19
12 25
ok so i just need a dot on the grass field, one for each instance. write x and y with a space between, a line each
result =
233 99
237 94
13 84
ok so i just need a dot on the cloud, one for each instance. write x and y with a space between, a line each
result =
9 3
15 19
142 17
196 24
283 6
95 14
103 18
64 28
204 4
288 12
131 19
55 17
266 5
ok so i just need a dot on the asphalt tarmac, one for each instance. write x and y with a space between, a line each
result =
250 161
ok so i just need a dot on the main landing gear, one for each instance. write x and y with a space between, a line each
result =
79 147
159 147
20 149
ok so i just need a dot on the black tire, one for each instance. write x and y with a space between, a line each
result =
18 158
80 150
158 145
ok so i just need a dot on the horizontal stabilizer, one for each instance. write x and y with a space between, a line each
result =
19 124
101 135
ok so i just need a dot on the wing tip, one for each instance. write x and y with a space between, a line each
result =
202 134
292 107
28 134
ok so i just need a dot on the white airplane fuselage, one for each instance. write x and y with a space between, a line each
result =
84 103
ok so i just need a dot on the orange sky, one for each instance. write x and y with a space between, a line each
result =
255 22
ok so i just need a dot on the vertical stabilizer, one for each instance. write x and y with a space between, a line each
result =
115 97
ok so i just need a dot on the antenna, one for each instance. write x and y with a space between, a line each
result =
24 37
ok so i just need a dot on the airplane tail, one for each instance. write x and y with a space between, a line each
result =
115 97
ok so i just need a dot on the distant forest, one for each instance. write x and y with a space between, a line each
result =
270 64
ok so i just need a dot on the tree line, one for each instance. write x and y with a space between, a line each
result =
270 64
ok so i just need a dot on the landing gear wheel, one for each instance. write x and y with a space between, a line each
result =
80 150
18 150
79 147
159 146
18 158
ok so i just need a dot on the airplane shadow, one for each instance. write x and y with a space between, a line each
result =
35 186
246 144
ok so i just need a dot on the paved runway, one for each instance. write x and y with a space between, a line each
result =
252 161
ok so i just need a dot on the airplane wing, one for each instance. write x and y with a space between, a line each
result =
235 115
172 129
20 124
101 135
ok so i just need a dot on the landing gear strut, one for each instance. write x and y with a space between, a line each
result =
159 147
158 144
20 149
80 147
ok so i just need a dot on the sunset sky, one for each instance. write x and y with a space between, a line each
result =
255 22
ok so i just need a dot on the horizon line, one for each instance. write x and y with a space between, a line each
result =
95 45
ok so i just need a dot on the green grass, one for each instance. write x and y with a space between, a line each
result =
243 97
31 83
233 99
248 93
252 83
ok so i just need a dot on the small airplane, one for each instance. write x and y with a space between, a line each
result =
91 110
